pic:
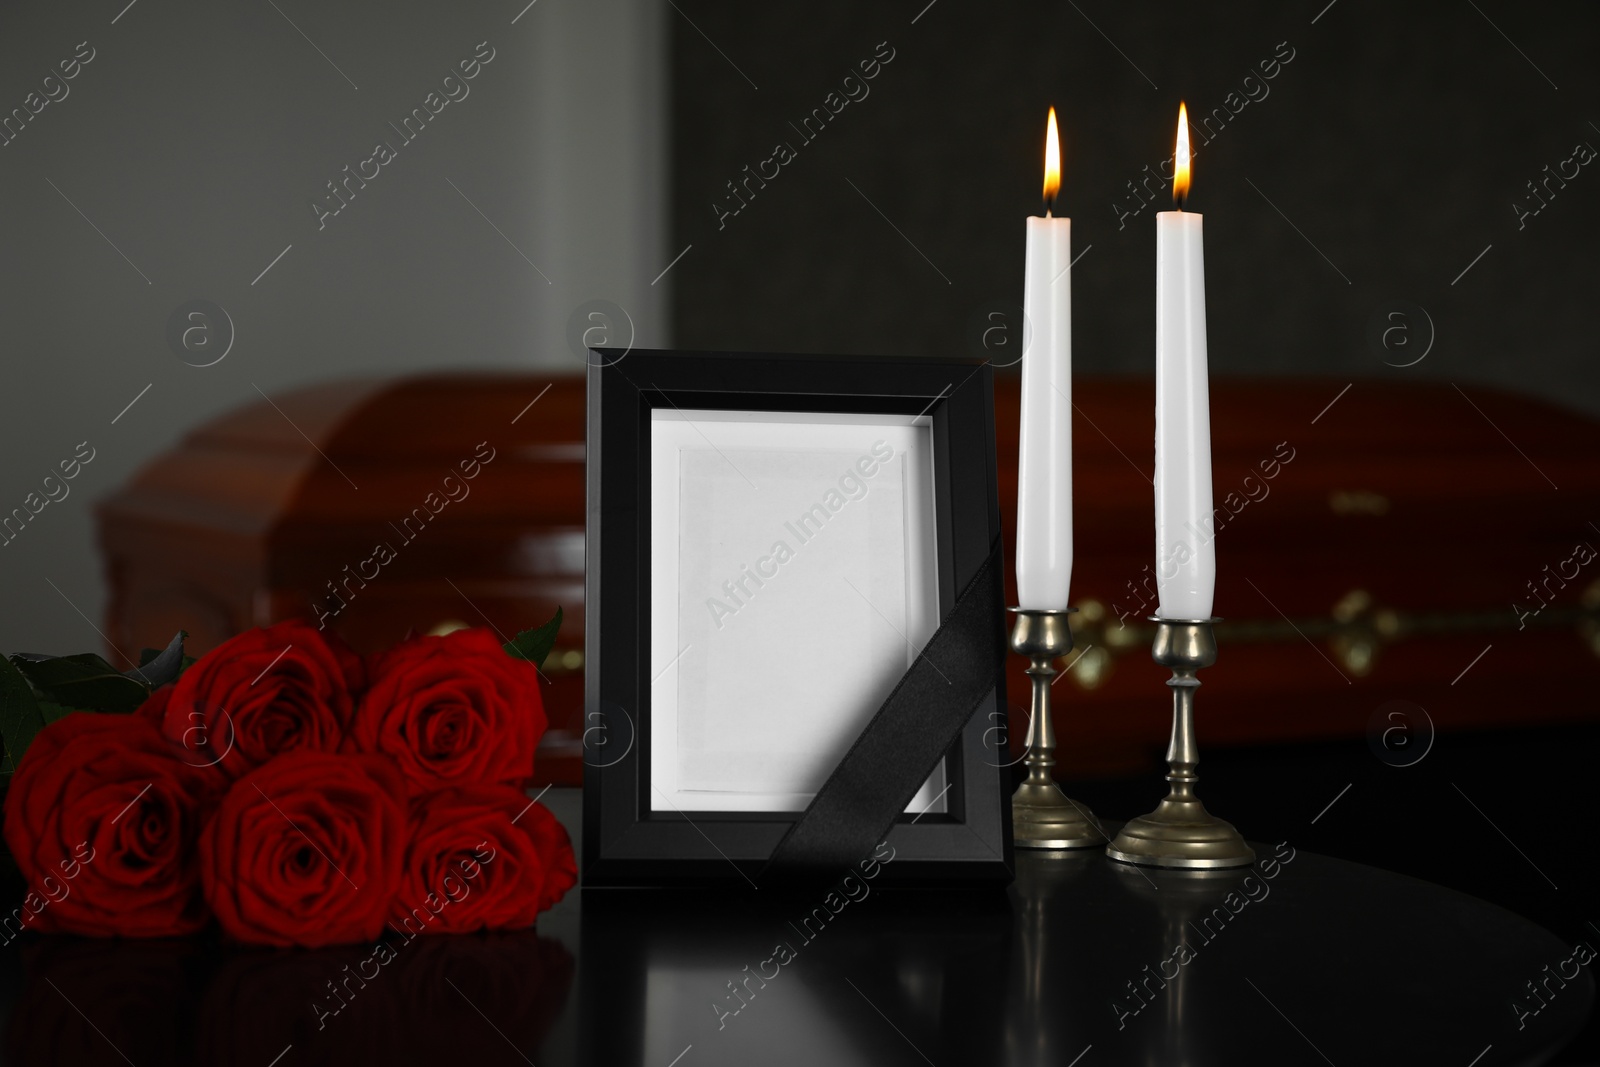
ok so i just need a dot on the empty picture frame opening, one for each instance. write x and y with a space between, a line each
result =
793 580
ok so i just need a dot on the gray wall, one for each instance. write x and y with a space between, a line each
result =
195 141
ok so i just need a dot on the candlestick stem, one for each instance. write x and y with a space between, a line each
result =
1041 815
1181 832
1183 751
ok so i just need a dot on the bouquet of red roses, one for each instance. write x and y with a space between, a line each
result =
288 789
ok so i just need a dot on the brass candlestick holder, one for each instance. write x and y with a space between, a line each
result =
1180 832
1041 815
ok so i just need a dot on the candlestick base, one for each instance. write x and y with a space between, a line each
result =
1181 832
1042 816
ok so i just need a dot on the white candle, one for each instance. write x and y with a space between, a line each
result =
1044 458
1186 553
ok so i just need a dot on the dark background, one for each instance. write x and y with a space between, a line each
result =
1396 141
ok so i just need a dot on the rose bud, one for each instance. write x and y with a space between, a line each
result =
482 857
306 850
102 818
452 710
282 688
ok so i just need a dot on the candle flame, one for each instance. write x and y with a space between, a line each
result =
1180 159
1052 162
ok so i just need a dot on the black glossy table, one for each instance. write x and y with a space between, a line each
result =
1082 962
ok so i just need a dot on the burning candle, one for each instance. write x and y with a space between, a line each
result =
1044 459
1186 554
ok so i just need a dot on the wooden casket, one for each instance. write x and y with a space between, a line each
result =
1377 543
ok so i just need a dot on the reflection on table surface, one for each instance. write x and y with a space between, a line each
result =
187 1001
1303 959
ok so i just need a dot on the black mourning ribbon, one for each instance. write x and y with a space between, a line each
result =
910 732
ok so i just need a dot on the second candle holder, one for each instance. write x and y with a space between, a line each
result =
1181 832
1041 815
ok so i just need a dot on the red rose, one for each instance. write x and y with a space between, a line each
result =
306 850
102 818
279 689
452 710
555 845
482 857
154 708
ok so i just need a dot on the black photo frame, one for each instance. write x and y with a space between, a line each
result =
627 839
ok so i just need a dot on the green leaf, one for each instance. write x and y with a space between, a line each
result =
85 681
535 645
156 669
25 659
53 712
20 719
